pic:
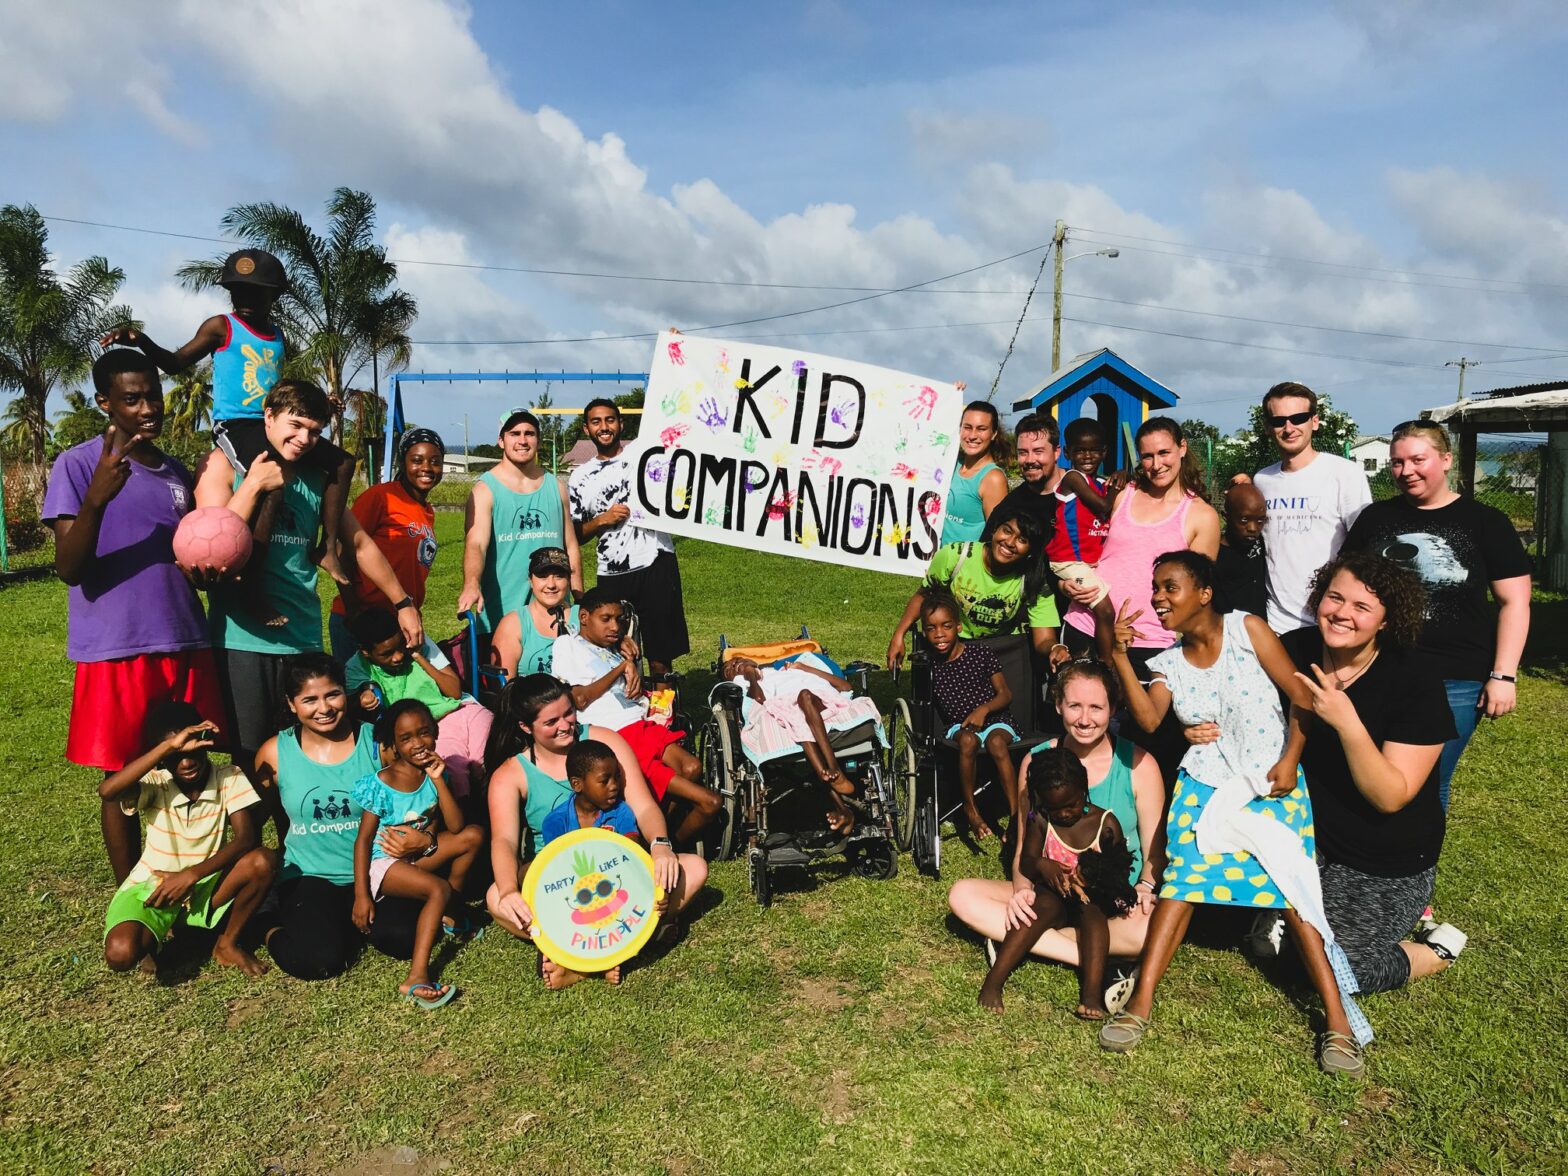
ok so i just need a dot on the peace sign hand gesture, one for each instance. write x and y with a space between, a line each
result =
114 467
1329 701
1124 633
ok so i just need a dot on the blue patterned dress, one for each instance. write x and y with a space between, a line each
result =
1236 693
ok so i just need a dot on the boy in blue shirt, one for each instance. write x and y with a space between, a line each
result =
598 799
247 349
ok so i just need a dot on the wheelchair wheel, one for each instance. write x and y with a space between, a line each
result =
761 884
927 846
719 767
875 859
902 773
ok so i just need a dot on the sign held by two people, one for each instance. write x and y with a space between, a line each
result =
794 453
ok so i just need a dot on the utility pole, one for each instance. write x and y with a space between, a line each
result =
465 435
1059 240
1462 363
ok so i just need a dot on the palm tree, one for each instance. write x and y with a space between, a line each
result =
48 326
80 421
188 401
341 309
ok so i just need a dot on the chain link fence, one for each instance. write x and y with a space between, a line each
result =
27 542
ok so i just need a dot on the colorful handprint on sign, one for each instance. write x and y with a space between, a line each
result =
922 403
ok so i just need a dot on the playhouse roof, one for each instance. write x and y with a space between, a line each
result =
1091 365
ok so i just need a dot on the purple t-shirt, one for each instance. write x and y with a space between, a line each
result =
132 599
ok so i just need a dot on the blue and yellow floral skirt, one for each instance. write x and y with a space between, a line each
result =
1231 879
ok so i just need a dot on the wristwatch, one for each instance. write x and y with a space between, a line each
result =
434 843
664 841
400 605
1496 677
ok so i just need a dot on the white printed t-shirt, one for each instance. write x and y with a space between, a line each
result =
596 486
579 662
1310 512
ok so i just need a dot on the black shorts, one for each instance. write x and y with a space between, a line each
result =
654 592
243 439
253 702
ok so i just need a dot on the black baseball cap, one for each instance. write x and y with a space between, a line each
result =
253 267
546 560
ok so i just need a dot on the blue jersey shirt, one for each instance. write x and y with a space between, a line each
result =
244 370
563 819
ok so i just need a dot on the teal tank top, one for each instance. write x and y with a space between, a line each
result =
520 524
288 575
244 370
545 792
538 656
318 801
965 513
1115 793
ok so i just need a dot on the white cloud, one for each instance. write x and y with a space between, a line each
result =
398 98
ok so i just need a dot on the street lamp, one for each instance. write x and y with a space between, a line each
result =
1060 241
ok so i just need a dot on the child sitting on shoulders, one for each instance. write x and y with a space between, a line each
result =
186 875
412 790
386 670
1077 857
598 799
607 690
247 350
972 697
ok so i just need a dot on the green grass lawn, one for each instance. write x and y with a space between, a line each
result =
837 1031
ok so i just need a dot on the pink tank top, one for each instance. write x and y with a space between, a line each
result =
1127 564
1065 855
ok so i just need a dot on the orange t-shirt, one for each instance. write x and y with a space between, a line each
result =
405 530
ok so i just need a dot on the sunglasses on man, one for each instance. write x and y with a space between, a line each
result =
1295 418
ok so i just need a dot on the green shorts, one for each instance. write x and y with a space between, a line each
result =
129 905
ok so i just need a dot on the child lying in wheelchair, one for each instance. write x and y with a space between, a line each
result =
793 706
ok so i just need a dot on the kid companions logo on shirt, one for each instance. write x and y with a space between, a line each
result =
328 810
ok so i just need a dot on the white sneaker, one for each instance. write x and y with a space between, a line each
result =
989 947
1267 935
1445 939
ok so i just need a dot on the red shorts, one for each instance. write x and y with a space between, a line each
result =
648 741
112 700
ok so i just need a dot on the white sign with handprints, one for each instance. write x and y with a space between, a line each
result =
794 453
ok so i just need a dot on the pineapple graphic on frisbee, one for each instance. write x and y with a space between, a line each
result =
592 894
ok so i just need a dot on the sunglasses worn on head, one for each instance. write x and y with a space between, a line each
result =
1295 418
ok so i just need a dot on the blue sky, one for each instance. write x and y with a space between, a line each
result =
853 144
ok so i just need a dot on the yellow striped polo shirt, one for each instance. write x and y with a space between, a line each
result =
183 831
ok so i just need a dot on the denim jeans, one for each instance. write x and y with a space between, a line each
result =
1462 698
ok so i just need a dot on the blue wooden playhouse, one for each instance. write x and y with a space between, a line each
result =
1103 385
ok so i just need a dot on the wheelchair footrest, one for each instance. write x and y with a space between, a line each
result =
801 849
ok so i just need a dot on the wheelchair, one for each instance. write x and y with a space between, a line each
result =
772 811
921 756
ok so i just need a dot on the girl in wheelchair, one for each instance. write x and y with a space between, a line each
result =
972 697
793 706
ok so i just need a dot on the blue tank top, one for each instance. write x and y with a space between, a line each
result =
318 801
965 513
520 524
545 792
244 370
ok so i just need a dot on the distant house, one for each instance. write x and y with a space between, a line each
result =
1370 453
464 464
575 456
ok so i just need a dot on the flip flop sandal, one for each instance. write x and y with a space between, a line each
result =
462 930
1123 1032
1340 1056
444 994
1120 992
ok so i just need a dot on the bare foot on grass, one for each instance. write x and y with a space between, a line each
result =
557 977
231 955
1085 1012
991 998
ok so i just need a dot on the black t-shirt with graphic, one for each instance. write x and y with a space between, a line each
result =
1457 550
1399 700
1241 580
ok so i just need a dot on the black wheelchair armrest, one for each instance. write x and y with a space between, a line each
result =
861 670
672 679
730 694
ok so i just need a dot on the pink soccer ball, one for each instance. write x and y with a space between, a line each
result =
213 536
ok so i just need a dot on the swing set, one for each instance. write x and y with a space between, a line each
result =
396 422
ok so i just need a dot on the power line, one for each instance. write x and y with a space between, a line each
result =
920 288
1316 261
1358 277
